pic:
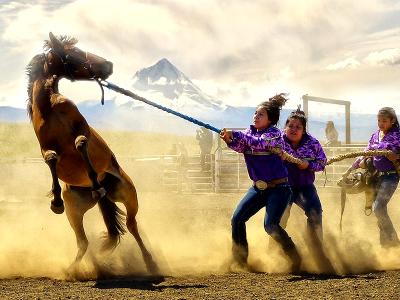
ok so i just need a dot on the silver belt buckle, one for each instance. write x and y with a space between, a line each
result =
261 185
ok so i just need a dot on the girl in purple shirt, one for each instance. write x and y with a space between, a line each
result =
386 137
269 175
300 144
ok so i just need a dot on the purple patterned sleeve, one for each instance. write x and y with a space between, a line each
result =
320 158
310 150
237 143
268 140
391 142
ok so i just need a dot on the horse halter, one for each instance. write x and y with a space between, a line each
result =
87 65
68 65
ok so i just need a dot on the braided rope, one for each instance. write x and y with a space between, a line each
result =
368 153
286 156
283 154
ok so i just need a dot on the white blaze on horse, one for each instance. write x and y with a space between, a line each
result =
74 151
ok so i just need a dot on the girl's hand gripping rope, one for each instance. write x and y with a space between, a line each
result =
226 135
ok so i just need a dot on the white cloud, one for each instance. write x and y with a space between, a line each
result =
296 46
384 57
348 63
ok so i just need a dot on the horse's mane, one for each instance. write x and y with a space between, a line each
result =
33 70
35 67
67 41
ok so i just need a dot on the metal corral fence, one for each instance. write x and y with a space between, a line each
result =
224 171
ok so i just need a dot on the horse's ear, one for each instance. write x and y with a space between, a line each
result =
56 44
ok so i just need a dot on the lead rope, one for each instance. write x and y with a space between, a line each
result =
276 150
283 154
368 153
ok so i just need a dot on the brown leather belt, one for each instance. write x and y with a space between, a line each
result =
263 185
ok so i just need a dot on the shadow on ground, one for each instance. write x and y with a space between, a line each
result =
150 283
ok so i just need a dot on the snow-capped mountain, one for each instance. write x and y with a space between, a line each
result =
173 88
165 85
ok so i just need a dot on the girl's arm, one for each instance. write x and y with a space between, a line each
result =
266 141
233 143
320 159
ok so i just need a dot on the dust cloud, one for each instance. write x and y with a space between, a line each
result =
187 234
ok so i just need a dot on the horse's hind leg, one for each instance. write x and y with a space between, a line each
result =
120 188
131 205
131 210
81 145
57 205
77 203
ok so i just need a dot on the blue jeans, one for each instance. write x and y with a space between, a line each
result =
306 197
385 189
275 201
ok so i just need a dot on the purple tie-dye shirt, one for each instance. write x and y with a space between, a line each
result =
309 149
266 166
391 141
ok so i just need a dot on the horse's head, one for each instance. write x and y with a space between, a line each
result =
64 59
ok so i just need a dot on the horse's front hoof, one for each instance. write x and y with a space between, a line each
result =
57 209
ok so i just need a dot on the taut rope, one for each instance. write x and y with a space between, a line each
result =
286 156
368 153
130 94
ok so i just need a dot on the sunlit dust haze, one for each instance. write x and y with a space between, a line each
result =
239 52
187 233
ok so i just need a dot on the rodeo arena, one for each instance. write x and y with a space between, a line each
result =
164 224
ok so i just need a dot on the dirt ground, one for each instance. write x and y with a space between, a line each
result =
189 236
378 285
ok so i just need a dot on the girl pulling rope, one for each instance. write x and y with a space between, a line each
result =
383 146
299 143
270 183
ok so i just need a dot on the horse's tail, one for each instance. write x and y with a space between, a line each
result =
114 218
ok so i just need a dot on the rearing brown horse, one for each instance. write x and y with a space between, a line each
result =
75 152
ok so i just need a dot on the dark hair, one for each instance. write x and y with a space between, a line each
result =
273 107
389 112
298 114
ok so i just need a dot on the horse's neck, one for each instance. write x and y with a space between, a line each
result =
42 92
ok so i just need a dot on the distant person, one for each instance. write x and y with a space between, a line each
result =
182 163
205 138
387 137
299 143
331 135
270 187
182 155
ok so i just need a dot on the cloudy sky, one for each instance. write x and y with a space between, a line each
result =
238 51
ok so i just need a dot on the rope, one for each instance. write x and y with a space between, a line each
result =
368 153
125 92
284 155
